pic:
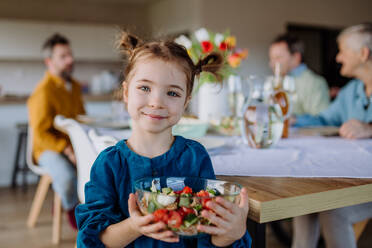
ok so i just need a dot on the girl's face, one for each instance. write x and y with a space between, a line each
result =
155 95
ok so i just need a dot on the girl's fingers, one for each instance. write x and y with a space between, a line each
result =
153 228
212 230
144 220
231 207
244 204
218 209
214 219
167 236
132 206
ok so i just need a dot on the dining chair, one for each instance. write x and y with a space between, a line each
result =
101 142
41 192
83 148
359 228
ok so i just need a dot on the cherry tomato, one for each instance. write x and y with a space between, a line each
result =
175 219
187 190
204 195
187 210
161 215
181 212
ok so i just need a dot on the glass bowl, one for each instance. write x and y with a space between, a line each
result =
178 201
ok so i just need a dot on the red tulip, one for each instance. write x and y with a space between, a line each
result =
207 46
223 46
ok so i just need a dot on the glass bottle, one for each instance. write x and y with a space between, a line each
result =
281 96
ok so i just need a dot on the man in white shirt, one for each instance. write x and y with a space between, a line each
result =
311 90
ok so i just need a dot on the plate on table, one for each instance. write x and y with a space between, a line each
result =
103 121
210 142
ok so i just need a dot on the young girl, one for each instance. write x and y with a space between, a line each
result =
157 89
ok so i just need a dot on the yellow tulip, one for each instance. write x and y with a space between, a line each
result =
231 41
234 60
243 53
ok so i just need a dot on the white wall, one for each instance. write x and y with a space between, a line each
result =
128 14
21 62
23 39
21 77
173 16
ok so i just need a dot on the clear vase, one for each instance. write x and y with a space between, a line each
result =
263 116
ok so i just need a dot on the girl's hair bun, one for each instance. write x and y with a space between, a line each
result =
128 42
211 63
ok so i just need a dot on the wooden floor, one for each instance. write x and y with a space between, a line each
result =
14 207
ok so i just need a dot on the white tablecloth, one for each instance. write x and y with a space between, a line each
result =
297 157
302 156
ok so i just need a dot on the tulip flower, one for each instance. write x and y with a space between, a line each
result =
243 53
207 46
202 35
218 38
234 60
184 41
223 46
231 41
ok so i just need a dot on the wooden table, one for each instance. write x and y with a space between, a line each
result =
277 198
273 198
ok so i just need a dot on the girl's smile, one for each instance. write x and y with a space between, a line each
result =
155 95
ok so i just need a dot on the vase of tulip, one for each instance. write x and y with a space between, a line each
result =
213 94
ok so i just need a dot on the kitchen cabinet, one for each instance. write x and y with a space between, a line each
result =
22 40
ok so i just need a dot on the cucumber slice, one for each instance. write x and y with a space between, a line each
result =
154 200
166 190
190 219
184 202
198 207
151 208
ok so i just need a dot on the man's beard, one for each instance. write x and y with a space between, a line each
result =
67 74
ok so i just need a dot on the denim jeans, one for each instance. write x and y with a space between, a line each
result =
336 226
63 174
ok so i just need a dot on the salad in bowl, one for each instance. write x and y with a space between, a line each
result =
179 201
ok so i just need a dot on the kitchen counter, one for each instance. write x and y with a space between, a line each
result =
19 99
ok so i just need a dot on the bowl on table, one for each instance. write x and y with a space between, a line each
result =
178 201
190 128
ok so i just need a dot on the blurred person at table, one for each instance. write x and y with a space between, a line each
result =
352 110
311 94
56 94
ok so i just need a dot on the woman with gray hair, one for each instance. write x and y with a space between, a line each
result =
352 112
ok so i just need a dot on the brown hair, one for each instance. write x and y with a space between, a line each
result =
295 45
136 49
51 42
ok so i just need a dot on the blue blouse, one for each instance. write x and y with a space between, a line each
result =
351 103
112 180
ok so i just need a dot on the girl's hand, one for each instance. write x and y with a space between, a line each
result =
229 219
144 225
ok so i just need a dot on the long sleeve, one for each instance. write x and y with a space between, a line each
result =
80 104
100 209
332 116
317 97
41 116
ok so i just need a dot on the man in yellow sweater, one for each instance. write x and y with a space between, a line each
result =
56 94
